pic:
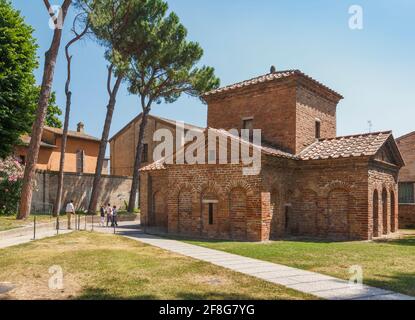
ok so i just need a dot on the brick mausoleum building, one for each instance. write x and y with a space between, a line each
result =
406 145
311 183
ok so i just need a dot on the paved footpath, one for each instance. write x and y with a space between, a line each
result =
28 237
316 284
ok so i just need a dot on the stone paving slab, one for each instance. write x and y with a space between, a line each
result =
394 296
14 241
278 274
355 292
310 278
319 285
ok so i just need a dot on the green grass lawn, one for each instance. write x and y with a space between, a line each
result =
10 222
103 266
387 264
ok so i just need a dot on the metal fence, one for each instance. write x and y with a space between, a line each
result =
41 208
58 224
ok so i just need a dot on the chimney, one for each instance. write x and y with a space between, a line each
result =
80 127
273 69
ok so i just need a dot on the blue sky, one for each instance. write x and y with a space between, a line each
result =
372 68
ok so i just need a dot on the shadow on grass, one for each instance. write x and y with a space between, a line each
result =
408 241
155 232
401 282
91 293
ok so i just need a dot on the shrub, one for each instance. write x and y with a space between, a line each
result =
11 180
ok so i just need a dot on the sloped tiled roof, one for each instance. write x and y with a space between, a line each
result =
73 134
345 147
264 149
362 145
25 140
157 165
187 126
267 78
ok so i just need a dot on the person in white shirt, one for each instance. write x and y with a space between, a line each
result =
102 212
109 214
70 210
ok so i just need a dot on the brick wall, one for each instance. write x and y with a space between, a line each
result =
407 216
123 147
407 147
78 187
285 111
383 188
318 198
331 199
310 108
191 189
272 107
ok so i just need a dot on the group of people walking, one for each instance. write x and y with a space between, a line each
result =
111 214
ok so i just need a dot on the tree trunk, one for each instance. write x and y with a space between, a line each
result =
137 163
37 129
96 187
58 200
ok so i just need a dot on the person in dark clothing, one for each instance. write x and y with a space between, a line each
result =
102 211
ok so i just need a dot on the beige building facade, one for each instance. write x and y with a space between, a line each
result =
81 151
124 143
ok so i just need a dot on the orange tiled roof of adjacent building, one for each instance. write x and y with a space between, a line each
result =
74 134
25 141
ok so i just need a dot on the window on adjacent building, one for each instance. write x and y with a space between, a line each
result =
248 124
80 161
210 213
144 155
406 192
318 129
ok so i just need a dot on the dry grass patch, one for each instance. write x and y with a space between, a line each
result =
101 266
10 222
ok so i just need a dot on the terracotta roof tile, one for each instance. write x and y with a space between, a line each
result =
157 165
171 122
345 147
25 140
73 134
265 149
267 78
